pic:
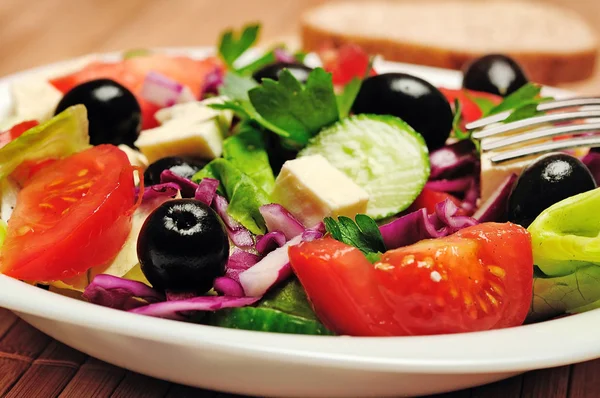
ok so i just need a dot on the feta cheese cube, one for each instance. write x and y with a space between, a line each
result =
34 99
189 129
311 189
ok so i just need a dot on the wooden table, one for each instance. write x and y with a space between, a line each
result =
35 33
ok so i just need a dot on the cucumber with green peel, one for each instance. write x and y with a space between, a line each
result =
283 310
380 153
266 320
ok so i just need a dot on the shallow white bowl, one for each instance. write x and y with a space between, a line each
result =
267 364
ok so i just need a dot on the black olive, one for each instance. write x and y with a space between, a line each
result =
495 74
410 98
184 167
114 113
547 181
183 246
272 71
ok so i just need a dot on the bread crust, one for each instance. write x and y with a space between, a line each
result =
544 68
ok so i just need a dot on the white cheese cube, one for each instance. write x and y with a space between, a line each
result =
34 99
180 137
312 189
492 175
197 111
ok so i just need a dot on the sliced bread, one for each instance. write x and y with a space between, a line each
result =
554 45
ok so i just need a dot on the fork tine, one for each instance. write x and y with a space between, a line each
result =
550 146
536 121
544 106
544 133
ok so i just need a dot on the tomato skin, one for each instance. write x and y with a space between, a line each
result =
132 72
345 63
428 199
16 131
70 216
477 279
470 110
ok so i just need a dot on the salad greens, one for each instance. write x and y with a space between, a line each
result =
283 310
61 136
363 233
245 175
566 251
244 194
247 151
232 46
301 111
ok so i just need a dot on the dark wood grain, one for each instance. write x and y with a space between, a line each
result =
551 383
139 386
50 373
18 348
95 379
585 380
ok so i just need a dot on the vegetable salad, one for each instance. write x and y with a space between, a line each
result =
272 196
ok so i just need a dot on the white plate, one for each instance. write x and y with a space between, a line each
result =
267 364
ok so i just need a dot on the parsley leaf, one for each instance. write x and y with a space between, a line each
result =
363 233
299 110
458 131
236 87
526 96
232 46
485 105
345 100
524 112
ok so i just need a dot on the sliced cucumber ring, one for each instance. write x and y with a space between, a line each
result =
382 154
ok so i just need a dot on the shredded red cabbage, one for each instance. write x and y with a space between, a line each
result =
239 261
212 82
592 161
461 184
124 294
239 235
174 309
282 55
453 160
274 267
158 191
187 187
277 218
164 91
226 286
270 241
206 191
417 225
174 295
495 207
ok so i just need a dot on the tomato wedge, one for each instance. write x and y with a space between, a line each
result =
70 216
467 98
345 63
16 131
428 199
477 279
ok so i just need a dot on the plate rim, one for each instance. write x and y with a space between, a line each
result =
467 353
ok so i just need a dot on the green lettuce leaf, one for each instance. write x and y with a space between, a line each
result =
244 195
61 136
247 151
566 250
576 292
566 236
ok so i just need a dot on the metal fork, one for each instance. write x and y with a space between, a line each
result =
483 128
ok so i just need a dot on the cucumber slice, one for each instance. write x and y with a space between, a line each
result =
380 153
266 320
